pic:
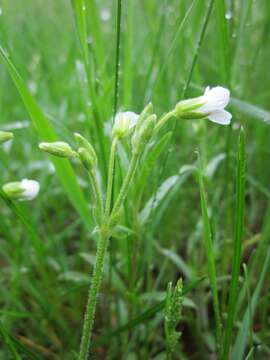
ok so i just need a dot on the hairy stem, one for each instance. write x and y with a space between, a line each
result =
92 295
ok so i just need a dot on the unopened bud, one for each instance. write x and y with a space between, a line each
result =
147 111
88 148
87 159
58 148
5 136
143 133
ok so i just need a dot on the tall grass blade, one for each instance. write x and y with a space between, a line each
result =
80 12
237 245
210 254
117 57
223 40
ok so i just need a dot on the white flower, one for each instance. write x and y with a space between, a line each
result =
125 123
30 189
22 190
214 101
210 105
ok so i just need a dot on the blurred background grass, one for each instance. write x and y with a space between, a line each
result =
167 49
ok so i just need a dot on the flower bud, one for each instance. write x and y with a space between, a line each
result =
22 190
147 111
125 123
86 152
87 159
58 148
5 136
143 133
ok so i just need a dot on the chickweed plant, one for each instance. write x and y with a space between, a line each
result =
133 225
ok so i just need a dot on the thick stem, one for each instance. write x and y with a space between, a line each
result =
123 192
92 296
110 178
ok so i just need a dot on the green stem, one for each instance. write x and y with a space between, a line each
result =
92 295
163 120
126 183
97 192
110 178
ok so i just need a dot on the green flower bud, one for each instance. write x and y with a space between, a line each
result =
143 134
147 111
58 148
5 136
88 160
90 157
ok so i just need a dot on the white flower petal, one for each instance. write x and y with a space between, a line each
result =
216 98
132 118
124 123
221 117
30 189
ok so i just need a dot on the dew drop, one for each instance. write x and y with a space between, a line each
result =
105 14
228 15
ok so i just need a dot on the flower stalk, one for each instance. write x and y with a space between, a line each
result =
110 178
93 294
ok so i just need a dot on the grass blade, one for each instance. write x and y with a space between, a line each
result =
80 12
209 250
63 168
223 40
237 246
241 340
9 343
